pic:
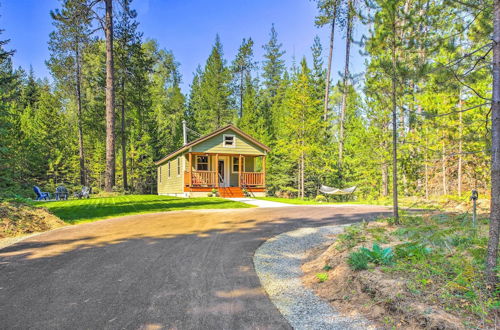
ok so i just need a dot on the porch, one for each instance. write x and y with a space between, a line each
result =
205 171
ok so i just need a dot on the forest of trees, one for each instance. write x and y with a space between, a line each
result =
114 103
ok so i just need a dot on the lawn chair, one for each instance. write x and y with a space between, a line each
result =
40 195
84 193
61 193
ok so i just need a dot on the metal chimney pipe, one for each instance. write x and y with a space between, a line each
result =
184 132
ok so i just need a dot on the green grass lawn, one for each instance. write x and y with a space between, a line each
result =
87 210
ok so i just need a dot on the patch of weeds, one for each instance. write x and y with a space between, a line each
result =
412 251
412 220
378 255
322 277
358 261
327 268
352 236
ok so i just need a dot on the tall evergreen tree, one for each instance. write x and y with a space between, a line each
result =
128 42
328 15
216 109
242 66
273 68
67 45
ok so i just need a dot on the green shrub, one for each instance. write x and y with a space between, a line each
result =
358 260
377 255
322 277
320 199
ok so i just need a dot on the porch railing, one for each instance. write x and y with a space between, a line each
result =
202 178
209 179
252 179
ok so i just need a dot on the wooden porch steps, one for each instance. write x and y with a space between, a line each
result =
231 192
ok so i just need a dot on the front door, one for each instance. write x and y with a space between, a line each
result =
221 175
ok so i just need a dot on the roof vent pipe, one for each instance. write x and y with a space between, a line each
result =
184 132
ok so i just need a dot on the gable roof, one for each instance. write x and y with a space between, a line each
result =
209 136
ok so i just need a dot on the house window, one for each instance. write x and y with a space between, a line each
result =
159 174
202 163
229 141
169 170
178 166
236 165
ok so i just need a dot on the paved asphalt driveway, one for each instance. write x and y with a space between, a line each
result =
175 270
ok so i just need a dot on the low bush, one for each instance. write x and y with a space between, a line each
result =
320 199
358 260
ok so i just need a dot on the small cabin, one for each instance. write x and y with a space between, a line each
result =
228 160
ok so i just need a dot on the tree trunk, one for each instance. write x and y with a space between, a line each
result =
81 154
329 70
345 83
241 94
443 167
385 180
460 133
492 254
302 175
124 138
394 126
110 100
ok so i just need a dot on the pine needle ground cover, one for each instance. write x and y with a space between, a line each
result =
426 273
87 210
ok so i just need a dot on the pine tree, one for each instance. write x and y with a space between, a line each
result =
128 42
67 45
216 109
273 68
241 69
329 11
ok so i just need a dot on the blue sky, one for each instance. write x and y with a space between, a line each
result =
188 28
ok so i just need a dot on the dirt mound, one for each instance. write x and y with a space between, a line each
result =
18 219
381 297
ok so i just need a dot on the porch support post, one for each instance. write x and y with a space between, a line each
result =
239 171
190 169
264 170
217 170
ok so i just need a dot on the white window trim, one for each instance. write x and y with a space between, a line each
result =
232 164
224 141
179 169
196 163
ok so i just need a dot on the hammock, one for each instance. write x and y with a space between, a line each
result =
336 191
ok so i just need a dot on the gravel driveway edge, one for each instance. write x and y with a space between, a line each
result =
277 263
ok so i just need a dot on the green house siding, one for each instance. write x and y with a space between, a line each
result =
173 184
216 145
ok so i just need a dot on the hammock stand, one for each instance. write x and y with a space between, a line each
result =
335 191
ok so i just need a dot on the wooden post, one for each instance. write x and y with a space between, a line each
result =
264 170
190 169
217 170
239 171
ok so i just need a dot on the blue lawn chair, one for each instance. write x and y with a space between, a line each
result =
40 194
